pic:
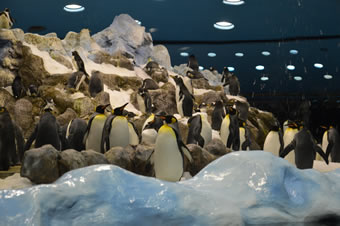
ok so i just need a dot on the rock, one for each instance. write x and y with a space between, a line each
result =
119 156
126 36
23 116
164 100
216 147
102 98
61 59
159 75
69 160
116 82
208 97
214 79
160 54
56 79
141 160
38 160
81 40
83 106
45 43
66 117
61 99
15 182
117 60
93 157
7 100
202 83
201 158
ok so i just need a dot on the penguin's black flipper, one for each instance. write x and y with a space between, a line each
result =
247 142
321 153
31 139
105 143
330 146
281 140
288 149
19 140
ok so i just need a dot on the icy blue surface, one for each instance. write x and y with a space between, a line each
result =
240 188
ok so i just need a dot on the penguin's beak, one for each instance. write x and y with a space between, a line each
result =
161 117
122 107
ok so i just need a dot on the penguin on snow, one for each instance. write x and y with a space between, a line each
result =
116 130
217 115
81 67
11 141
93 135
333 147
168 156
144 100
17 87
199 130
274 140
6 20
184 99
305 148
47 131
75 132
288 136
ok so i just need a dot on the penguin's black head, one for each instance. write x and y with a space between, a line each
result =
242 123
6 10
75 53
176 79
218 104
119 110
190 74
3 110
169 119
101 108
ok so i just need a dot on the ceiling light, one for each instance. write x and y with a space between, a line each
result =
233 2
264 78
224 25
153 29
184 54
328 76
201 68
259 67
298 78
138 22
211 54
293 51
291 67
318 65
231 69
265 53
239 54
73 8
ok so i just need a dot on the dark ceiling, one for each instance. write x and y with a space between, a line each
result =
309 26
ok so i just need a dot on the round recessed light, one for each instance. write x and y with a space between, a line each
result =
264 78
259 67
224 25
233 2
293 51
328 76
201 68
239 54
138 22
73 8
265 53
211 54
297 78
231 69
318 65
291 67
184 54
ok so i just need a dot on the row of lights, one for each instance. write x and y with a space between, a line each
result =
296 78
225 25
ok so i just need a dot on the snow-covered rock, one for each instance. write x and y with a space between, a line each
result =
237 189
161 55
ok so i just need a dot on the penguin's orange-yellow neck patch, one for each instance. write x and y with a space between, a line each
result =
167 129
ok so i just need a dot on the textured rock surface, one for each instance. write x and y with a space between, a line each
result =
93 158
69 160
66 117
161 55
23 115
201 158
216 147
119 156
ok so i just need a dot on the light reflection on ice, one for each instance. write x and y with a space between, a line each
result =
102 168
14 193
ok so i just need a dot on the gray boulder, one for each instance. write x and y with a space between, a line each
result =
216 147
66 117
141 160
93 157
120 157
23 115
160 54
201 158
69 160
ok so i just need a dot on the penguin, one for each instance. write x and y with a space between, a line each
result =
193 63
79 62
144 100
274 140
184 99
231 84
199 130
169 152
304 111
96 84
217 115
151 66
242 107
244 136
150 129
305 148
74 80
94 130
288 137
17 87
230 132
195 75
149 84
75 132
134 137
116 130
47 131
11 141
33 90
6 20
333 147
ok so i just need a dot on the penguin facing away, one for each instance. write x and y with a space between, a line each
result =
144 100
96 84
333 147
93 135
217 115
116 130
79 62
199 130
234 85
134 137
184 99
169 152
288 137
193 63
17 87
274 140
75 132
305 148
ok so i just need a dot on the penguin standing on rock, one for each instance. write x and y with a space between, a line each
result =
184 99
144 101
199 130
116 130
81 67
93 135
217 115
193 63
96 84
231 83
6 20
17 87
274 140
305 148
169 152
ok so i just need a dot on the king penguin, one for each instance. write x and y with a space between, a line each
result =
134 137
305 148
184 99
199 130
244 136
116 130
75 132
217 115
93 135
274 140
288 136
229 132
333 147
169 152
150 129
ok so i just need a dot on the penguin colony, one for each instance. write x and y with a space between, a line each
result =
105 130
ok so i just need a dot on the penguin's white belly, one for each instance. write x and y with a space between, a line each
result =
149 119
324 145
285 126
224 131
206 131
180 106
94 138
141 104
272 143
133 137
168 161
149 136
119 134
242 137
287 138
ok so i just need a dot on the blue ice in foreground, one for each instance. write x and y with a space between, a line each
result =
239 188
